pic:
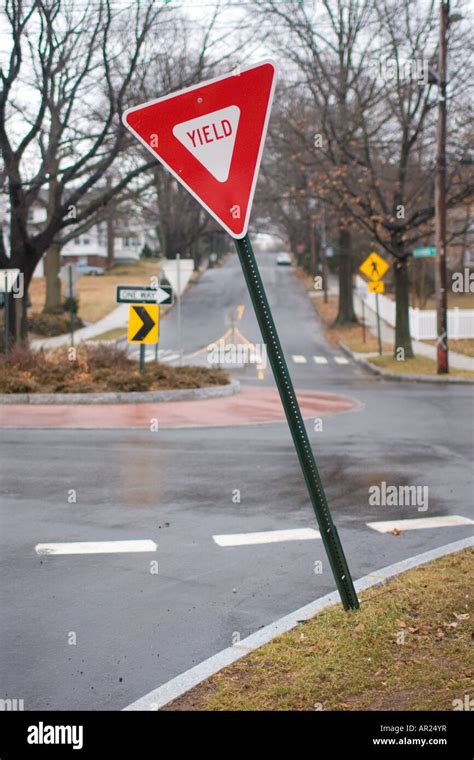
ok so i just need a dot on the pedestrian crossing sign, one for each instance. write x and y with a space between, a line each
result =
374 267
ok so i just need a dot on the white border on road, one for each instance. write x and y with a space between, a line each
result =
178 686
266 537
418 523
97 547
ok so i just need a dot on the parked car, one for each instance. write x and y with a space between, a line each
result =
89 270
284 260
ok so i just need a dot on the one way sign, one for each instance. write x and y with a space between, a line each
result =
143 322
163 294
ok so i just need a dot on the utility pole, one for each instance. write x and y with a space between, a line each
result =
440 198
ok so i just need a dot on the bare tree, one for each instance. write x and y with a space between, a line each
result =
72 69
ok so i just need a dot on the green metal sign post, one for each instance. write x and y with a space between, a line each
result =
141 362
282 377
71 303
379 336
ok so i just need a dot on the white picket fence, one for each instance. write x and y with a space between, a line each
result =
422 321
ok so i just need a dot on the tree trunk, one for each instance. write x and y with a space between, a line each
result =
402 305
52 263
346 313
25 258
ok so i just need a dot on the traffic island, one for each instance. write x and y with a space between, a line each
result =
94 370
409 647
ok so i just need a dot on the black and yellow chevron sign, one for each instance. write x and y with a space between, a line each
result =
143 323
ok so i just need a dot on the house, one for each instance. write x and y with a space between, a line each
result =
91 247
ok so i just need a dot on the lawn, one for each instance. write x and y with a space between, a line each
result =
419 365
409 647
97 294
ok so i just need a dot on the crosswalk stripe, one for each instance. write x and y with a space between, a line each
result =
97 547
341 360
320 360
449 521
298 359
266 537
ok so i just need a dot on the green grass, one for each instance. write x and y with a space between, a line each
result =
408 648
419 365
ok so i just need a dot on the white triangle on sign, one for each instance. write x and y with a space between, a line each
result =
211 139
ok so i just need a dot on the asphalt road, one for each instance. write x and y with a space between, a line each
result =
135 629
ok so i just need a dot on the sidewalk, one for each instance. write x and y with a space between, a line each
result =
116 318
460 361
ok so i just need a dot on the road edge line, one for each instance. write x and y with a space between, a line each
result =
182 683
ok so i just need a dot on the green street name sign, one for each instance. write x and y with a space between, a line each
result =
424 253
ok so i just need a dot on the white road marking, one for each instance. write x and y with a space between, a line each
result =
298 359
341 360
169 358
320 360
266 537
97 547
420 522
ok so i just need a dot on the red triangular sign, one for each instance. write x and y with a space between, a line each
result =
211 137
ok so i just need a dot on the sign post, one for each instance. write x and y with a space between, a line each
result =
211 137
296 424
377 311
71 305
142 357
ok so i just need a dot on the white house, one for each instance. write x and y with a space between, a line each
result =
91 247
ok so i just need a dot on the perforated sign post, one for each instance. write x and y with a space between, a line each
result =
211 137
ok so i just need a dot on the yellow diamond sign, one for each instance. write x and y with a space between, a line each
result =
374 267
143 320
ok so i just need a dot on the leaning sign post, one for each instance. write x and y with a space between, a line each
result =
210 137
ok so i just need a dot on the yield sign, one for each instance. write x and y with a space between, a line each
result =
210 137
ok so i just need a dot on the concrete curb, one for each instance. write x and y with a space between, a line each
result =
178 686
400 376
134 397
